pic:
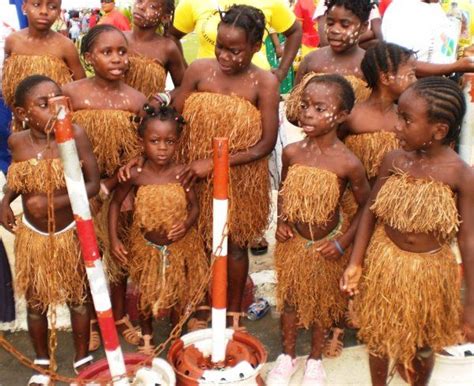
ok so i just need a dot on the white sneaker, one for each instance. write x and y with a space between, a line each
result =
281 373
314 374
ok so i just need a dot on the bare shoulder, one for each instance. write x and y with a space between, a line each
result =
63 43
289 151
201 67
266 78
19 143
71 89
136 98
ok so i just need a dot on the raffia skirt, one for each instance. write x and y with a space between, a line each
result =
47 277
309 282
407 300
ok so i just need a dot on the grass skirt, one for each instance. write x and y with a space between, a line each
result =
371 148
19 67
308 282
408 300
113 137
212 115
47 278
145 75
167 276
36 175
292 104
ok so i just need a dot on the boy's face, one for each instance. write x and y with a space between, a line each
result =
42 14
343 28
148 13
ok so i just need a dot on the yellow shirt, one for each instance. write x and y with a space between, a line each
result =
202 17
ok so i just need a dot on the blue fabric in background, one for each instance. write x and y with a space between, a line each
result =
5 119
23 21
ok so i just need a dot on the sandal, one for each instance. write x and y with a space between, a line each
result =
81 362
147 348
130 334
236 320
40 379
352 321
334 343
195 323
259 248
94 339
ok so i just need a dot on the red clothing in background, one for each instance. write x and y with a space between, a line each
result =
117 19
383 4
304 11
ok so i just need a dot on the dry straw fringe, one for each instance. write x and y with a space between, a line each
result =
408 300
18 67
113 136
169 283
49 281
349 204
30 176
146 75
309 195
159 207
418 205
371 148
309 282
293 102
212 115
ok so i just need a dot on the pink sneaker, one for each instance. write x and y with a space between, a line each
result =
314 374
281 373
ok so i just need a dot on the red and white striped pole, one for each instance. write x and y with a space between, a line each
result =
219 248
85 229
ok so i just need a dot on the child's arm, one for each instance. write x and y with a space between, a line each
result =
466 246
179 230
283 231
361 189
7 217
365 229
71 57
116 246
176 65
423 69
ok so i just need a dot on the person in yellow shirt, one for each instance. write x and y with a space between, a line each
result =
203 16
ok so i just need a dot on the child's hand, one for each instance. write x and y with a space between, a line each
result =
177 231
37 205
124 172
8 219
119 251
350 279
468 322
329 250
284 232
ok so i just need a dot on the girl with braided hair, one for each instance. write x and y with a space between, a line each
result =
152 55
166 255
106 107
409 302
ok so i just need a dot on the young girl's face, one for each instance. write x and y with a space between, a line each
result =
234 51
403 78
413 129
109 55
159 141
148 13
35 112
343 28
41 14
320 110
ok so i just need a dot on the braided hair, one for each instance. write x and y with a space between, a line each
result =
445 103
163 113
90 38
27 85
346 92
360 8
250 19
383 58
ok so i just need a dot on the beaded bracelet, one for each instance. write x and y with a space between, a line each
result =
339 247
164 98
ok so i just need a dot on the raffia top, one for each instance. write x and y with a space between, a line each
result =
310 195
371 148
33 175
159 207
419 205
18 67
113 136
146 75
293 102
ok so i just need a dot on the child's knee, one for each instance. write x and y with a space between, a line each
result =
79 309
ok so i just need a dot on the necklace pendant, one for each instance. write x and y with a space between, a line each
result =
39 156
